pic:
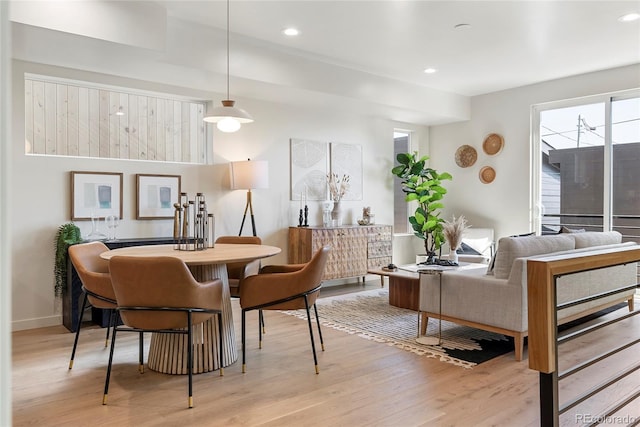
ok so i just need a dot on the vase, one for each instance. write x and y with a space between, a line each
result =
453 256
335 214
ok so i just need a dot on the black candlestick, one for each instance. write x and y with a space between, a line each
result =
300 219
306 216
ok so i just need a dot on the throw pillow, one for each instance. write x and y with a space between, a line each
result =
467 250
571 230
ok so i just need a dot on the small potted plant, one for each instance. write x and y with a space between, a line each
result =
423 185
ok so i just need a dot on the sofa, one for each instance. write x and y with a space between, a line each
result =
495 298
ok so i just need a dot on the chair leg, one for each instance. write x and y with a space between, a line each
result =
112 314
260 329
75 341
313 344
264 330
315 308
141 353
190 357
220 343
106 381
244 341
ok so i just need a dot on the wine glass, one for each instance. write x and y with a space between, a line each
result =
112 223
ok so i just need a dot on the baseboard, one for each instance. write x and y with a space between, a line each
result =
40 322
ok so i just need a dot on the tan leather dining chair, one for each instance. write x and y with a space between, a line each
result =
239 270
93 272
159 294
284 287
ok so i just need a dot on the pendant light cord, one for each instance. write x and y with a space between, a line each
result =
227 49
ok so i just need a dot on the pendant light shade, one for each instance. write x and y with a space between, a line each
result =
228 117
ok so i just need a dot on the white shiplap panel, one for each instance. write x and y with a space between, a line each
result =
39 146
75 120
168 125
50 109
133 128
142 127
28 116
193 133
94 122
72 120
123 125
83 122
185 131
177 131
152 125
105 125
61 120
161 133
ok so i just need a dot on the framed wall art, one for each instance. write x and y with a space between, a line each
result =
95 194
156 195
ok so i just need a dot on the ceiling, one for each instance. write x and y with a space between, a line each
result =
505 44
367 55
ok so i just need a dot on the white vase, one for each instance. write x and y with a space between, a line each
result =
453 256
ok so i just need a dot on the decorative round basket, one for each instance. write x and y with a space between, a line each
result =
466 156
487 175
493 144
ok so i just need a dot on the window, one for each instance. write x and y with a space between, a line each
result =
587 165
68 118
401 144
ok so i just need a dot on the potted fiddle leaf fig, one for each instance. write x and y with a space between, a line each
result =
423 185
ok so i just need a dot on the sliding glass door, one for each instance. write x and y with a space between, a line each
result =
587 163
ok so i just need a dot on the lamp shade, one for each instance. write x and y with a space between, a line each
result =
249 174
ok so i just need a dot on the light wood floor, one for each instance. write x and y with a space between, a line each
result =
361 383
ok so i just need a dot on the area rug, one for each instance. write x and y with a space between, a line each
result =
368 315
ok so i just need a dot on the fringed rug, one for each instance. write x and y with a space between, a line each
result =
369 315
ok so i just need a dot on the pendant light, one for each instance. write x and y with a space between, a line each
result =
228 117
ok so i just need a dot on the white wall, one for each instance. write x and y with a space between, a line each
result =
40 201
505 204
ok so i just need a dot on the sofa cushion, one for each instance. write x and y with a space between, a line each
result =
596 238
510 248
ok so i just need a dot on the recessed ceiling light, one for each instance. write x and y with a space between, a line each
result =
430 70
629 17
290 32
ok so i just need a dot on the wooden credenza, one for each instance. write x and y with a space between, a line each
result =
354 248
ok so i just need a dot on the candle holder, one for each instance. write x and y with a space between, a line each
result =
306 216
300 219
193 226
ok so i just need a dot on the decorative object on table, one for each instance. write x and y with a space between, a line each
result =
493 144
68 234
337 189
249 175
95 234
466 156
303 219
327 206
95 193
112 222
487 175
228 117
193 226
453 232
367 217
424 185
156 195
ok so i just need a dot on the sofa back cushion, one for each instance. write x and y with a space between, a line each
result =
596 238
510 248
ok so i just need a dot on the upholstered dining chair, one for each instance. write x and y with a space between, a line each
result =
159 294
93 272
239 270
284 287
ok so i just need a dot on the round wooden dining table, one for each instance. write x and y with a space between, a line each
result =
168 352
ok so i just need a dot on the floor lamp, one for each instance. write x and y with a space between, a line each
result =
249 175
